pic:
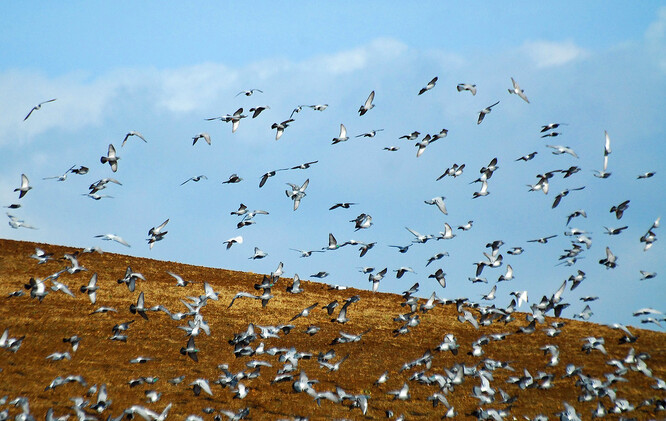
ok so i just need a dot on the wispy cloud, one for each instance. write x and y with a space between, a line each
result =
655 37
551 53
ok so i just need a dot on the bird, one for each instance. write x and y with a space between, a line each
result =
619 209
235 240
345 205
258 110
423 144
646 175
420 238
508 275
258 254
563 193
133 133
38 107
516 90
62 177
559 150
439 202
343 135
429 86
195 179
233 179
280 128
466 87
371 133
305 312
483 191
615 231
25 186
482 113
205 136
111 158
250 92
139 307
550 126
528 157
304 166
440 277
610 260
412 136
179 279
156 233
297 192
368 105
542 240
113 237
402 393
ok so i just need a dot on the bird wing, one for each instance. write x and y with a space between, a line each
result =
368 102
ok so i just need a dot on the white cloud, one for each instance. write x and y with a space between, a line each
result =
358 58
550 53
655 37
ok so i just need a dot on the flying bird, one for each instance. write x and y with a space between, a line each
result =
343 135
25 186
204 136
368 104
466 87
38 107
429 86
280 127
250 92
113 237
516 90
133 133
482 113
111 158
371 133
195 179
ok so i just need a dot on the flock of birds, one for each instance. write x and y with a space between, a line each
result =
244 342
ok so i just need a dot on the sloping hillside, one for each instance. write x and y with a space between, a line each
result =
99 360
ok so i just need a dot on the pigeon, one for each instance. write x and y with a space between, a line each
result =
343 135
429 86
38 107
466 87
619 209
482 113
250 92
111 158
195 179
368 104
371 133
204 136
113 237
25 186
258 110
516 90
280 128
130 134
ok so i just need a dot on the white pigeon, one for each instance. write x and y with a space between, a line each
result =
516 90
368 104
343 135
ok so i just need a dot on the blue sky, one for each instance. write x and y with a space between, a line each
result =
161 68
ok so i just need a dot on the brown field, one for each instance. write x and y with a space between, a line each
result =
99 360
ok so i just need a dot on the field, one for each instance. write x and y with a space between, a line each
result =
99 360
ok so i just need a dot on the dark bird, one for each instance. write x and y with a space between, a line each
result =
619 209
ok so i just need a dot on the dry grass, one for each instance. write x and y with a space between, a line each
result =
100 360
